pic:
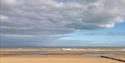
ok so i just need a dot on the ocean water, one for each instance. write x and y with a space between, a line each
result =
47 53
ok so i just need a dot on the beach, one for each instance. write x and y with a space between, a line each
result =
53 56
55 59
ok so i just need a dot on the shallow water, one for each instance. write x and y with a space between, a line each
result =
103 54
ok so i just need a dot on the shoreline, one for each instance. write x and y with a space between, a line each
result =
59 55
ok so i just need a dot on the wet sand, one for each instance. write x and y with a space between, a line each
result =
119 57
53 56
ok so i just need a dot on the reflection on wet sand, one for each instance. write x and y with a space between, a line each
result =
61 55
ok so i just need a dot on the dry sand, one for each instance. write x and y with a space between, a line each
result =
55 59
19 55
119 57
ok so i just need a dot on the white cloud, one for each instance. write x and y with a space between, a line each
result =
59 16
8 3
3 17
15 36
70 39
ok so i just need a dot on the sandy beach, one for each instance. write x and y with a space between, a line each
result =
53 56
55 59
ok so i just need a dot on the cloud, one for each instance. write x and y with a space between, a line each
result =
15 36
53 17
7 4
2 18
70 39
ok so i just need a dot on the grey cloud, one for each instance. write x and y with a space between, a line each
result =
59 16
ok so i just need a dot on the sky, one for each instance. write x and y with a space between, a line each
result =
62 23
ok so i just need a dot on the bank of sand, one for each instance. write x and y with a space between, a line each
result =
55 59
